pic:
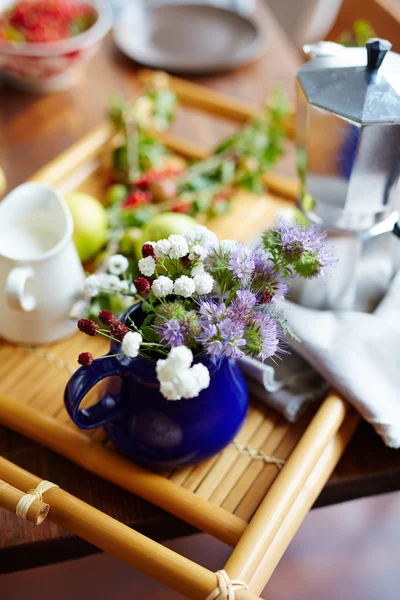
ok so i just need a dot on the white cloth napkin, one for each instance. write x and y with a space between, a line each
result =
355 352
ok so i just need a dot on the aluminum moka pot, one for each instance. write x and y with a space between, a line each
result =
348 160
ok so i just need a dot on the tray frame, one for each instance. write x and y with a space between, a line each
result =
258 545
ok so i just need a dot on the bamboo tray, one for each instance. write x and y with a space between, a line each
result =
245 483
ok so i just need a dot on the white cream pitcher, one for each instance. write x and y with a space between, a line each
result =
40 272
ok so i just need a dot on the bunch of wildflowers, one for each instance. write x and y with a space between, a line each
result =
199 294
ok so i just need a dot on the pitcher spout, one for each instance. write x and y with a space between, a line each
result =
34 221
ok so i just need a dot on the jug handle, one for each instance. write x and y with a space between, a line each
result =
80 384
17 297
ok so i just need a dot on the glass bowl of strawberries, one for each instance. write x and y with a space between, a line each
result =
45 44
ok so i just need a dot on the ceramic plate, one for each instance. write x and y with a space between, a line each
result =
191 38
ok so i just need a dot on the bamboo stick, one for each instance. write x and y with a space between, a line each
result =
168 567
204 98
304 502
77 154
211 101
107 463
281 185
10 496
271 513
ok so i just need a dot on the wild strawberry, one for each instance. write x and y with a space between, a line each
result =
182 207
157 175
137 197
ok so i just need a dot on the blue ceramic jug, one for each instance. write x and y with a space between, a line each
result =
143 424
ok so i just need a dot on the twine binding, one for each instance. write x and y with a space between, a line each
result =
25 502
226 587
254 454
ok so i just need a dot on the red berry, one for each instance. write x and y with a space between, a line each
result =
157 175
88 326
137 197
142 286
148 250
118 330
85 359
182 207
223 195
107 317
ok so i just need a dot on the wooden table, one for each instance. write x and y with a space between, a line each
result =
34 130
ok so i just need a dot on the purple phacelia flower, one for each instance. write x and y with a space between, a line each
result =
244 301
262 336
172 332
214 310
241 262
307 238
269 283
221 337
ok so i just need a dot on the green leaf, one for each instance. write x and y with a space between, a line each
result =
228 171
149 334
148 320
146 306
116 109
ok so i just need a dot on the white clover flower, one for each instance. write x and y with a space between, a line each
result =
147 266
92 285
165 370
228 246
117 264
169 391
131 344
204 283
198 270
177 378
198 252
180 357
186 385
201 235
184 286
109 283
162 286
179 247
161 248
202 375
127 288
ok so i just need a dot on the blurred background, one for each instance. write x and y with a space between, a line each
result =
303 20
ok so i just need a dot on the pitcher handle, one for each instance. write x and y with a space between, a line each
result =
16 294
81 383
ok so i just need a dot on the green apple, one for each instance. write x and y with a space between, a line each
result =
90 223
163 225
